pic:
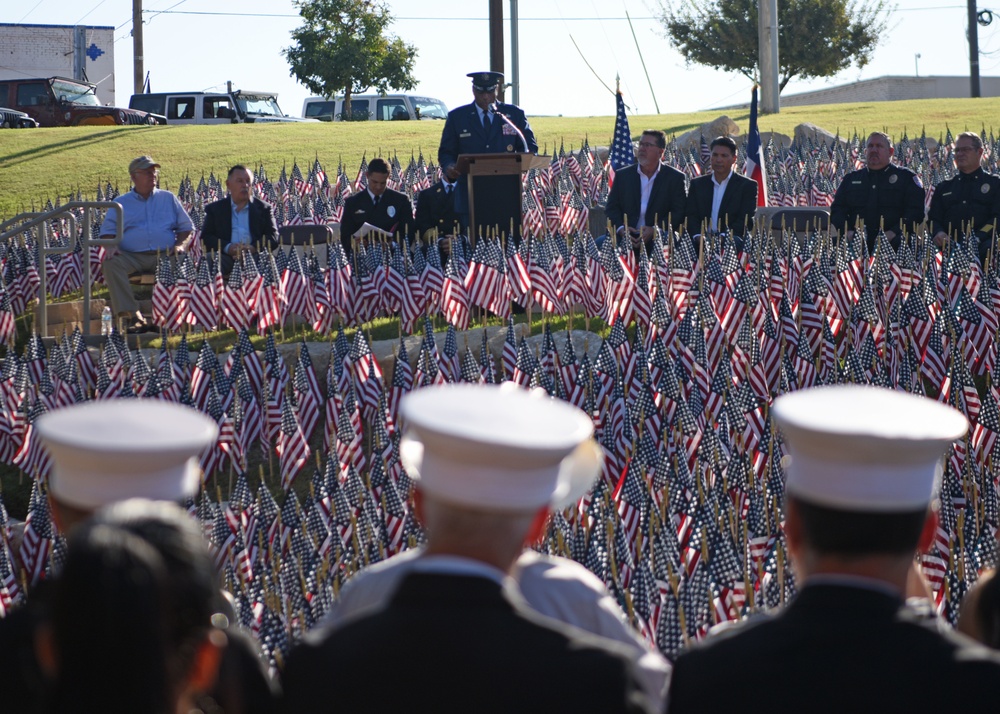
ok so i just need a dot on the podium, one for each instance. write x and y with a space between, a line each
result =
494 183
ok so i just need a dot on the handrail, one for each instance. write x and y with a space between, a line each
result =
38 220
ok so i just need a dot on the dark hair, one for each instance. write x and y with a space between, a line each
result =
378 166
661 138
724 141
856 533
132 604
238 167
987 609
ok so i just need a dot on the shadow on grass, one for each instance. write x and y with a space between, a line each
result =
90 140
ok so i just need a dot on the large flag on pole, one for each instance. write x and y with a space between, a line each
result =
622 153
754 165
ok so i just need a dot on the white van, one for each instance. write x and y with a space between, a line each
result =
391 107
215 107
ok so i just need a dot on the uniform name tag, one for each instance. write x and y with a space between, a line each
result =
856 183
465 135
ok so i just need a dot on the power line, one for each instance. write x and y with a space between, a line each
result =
431 19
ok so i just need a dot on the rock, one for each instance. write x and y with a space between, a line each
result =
780 140
818 134
722 126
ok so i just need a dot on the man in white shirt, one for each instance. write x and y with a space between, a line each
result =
722 201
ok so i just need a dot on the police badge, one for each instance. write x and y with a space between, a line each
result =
985 188
391 211
894 178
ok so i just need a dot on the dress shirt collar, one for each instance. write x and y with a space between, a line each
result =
724 182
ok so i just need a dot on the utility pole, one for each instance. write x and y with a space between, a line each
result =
138 75
973 50
515 68
496 41
767 33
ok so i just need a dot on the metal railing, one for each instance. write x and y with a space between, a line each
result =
28 220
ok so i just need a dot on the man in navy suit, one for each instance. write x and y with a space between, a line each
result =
378 205
238 222
648 193
722 201
483 127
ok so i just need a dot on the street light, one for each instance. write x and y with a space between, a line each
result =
916 64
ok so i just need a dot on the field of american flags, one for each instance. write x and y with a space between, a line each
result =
684 524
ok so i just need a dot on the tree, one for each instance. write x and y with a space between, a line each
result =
342 47
816 38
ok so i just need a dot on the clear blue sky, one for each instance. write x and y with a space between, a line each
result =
193 52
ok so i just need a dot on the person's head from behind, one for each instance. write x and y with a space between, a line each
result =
131 616
980 616
864 466
109 451
378 176
483 492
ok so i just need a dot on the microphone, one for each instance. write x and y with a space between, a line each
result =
512 125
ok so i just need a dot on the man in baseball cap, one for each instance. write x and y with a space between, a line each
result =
489 464
863 472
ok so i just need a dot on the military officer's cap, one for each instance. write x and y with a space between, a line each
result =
485 81
869 449
108 451
498 448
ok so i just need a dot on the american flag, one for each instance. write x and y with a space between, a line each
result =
622 152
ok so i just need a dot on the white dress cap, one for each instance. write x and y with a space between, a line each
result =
498 448
865 448
108 451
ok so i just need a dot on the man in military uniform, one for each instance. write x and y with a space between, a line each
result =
969 200
435 219
385 208
881 194
483 127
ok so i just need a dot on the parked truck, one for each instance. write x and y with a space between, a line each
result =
233 106
58 101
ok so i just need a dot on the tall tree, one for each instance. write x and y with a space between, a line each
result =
343 47
816 38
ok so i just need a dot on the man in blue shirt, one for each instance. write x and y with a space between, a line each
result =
238 222
154 222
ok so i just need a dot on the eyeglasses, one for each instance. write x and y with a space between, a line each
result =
649 145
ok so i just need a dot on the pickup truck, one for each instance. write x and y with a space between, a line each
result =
58 101
230 107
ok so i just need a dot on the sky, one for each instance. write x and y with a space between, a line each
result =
190 46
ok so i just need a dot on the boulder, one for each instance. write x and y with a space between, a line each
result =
782 141
722 126
818 134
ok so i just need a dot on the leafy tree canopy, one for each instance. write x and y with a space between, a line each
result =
343 47
816 38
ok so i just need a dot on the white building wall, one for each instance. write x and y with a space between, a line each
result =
48 50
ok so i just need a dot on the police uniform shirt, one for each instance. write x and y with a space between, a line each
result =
967 198
886 197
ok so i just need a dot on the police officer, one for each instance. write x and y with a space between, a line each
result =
879 194
483 127
971 197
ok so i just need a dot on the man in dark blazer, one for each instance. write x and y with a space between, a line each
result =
467 639
238 222
436 211
858 494
648 193
378 205
723 200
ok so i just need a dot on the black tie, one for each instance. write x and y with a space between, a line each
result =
486 122
375 201
447 190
